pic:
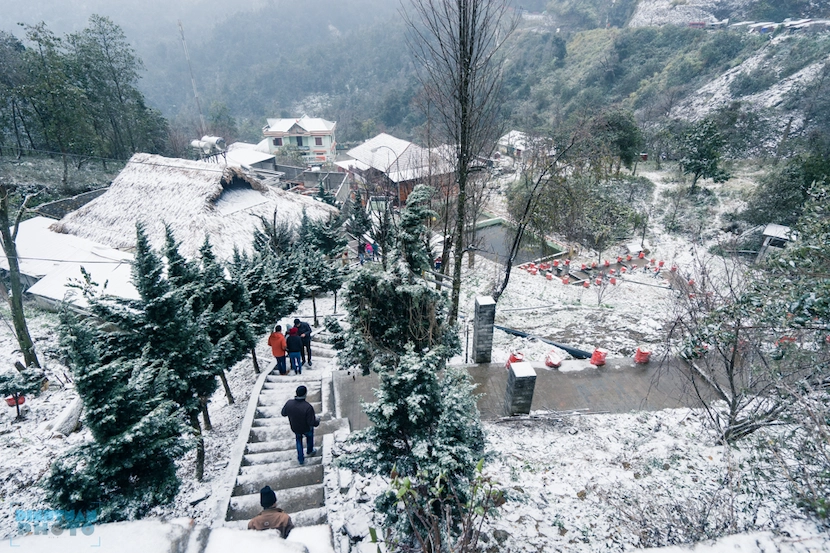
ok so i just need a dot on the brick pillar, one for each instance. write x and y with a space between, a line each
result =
485 316
521 381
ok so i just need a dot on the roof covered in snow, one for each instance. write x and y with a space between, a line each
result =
304 124
56 259
399 159
195 199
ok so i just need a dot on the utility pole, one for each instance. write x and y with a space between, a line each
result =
203 128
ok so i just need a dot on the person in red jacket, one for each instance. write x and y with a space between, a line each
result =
278 347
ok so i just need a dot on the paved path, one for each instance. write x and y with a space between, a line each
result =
618 387
266 454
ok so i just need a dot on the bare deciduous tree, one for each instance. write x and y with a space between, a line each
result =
455 43
8 235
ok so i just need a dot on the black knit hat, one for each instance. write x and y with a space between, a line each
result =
267 497
302 391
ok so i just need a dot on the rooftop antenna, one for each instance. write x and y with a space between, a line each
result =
203 128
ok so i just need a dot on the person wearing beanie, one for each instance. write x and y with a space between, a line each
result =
302 420
305 333
294 344
272 517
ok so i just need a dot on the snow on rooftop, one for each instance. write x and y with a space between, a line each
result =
309 124
40 250
400 159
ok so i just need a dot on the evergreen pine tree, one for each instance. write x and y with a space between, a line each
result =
324 195
386 312
272 287
327 237
275 235
358 224
222 306
129 468
318 275
424 428
412 237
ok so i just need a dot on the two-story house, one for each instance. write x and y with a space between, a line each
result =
313 137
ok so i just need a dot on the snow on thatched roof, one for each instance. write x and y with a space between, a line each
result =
194 199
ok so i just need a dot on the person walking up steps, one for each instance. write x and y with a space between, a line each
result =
294 345
305 333
278 347
302 420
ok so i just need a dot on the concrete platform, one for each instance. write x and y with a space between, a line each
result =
619 386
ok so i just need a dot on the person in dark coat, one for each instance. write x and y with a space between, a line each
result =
294 344
272 517
302 419
305 333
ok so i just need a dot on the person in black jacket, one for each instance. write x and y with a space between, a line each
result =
302 419
294 345
305 333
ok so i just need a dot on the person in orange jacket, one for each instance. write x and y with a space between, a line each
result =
278 346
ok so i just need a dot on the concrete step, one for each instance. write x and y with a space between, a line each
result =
277 433
310 517
278 467
322 350
276 399
269 457
288 385
275 410
278 420
295 500
279 445
298 477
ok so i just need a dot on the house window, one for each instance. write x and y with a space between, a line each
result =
300 141
278 142
318 140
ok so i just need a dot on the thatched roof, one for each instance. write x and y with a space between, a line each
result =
195 199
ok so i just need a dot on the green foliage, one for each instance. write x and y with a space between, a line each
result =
324 195
582 208
760 78
77 95
358 223
425 428
20 383
387 312
412 232
781 194
326 236
701 147
275 236
129 468
271 283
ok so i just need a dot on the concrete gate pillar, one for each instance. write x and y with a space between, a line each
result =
485 316
521 381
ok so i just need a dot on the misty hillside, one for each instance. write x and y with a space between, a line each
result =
349 61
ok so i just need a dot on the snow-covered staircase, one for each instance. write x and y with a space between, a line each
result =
266 454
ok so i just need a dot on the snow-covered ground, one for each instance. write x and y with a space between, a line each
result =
575 483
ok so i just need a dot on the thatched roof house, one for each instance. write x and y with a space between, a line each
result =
194 199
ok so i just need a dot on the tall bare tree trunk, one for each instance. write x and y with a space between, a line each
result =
8 236
227 388
256 363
